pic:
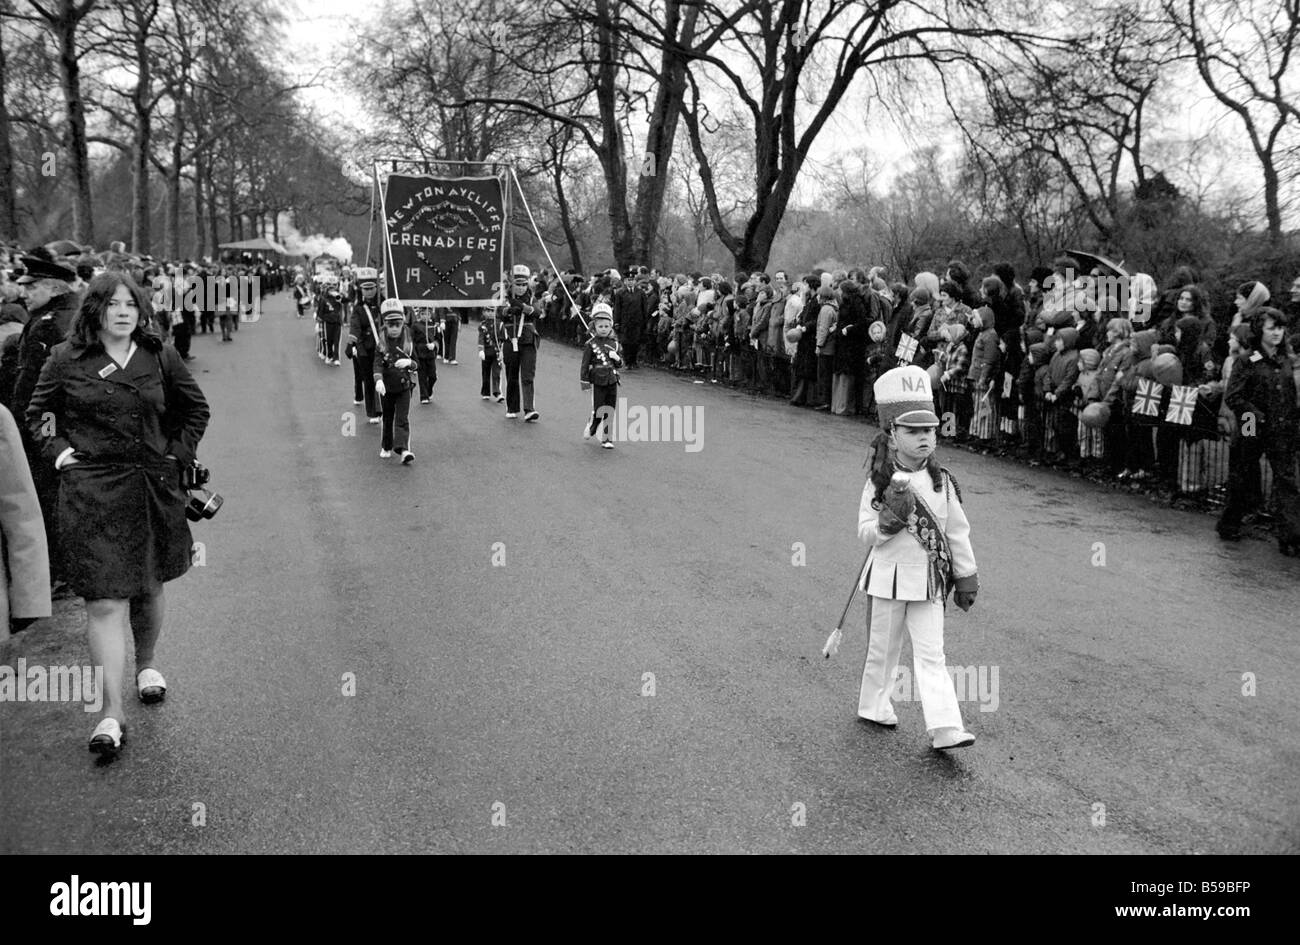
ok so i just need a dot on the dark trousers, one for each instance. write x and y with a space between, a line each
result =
521 366
226 320
46 481
824 373
491 370
630 352
396 413
207 322
332 341
1244 492
181 334
449 332
427 368
604 405
363 381
1167 440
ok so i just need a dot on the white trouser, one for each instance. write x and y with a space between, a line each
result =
923 621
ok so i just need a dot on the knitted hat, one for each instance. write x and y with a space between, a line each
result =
1167 369
903 396
1089 359
1095 415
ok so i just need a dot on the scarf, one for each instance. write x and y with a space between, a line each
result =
922 526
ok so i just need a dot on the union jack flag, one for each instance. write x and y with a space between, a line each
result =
1182 403
906 349
1147 401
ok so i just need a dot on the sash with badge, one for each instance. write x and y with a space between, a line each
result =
603 373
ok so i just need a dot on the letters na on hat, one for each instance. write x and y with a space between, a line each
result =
904 396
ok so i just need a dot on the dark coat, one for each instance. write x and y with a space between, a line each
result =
853 321
47 327
359 325
629 314
805 355
121 514
425 332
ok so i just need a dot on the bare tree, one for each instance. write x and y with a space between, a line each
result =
1243 52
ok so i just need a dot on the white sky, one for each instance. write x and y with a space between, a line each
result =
321 26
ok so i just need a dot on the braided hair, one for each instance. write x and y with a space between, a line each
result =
882 460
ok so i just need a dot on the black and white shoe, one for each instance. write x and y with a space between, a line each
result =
530 416
407 457
607 444
107 737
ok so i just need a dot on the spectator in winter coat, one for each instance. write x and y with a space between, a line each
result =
917 326
1063 371
24 555
958 274
1141 300
1033 374
952 364
1013 299
1116 363
985 377
827 331
951 309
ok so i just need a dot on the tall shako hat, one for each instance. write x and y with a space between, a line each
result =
602 310
521 271
391 311
367 276
903 396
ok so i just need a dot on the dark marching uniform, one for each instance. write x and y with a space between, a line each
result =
362 342
329 309
520 318
425 329
600 360
398 382
491 337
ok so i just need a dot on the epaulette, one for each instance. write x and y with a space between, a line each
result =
953 479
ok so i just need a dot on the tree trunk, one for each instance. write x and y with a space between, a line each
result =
611 152
83 216
8 201
199 210
1272 206
141 238
172 224
214 220
566 219
659 138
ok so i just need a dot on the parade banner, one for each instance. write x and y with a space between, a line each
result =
443 239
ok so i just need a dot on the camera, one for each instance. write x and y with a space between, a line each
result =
201 503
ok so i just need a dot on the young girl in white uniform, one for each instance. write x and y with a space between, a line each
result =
912 518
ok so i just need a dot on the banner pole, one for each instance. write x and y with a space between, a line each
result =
389 275
370 235
547 252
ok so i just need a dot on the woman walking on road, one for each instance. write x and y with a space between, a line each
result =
118 414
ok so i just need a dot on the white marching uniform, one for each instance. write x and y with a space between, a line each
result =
896 580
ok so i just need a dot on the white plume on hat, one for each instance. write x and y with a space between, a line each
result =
904 396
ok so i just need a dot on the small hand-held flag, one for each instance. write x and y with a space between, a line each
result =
1147 399
1182 404
906 348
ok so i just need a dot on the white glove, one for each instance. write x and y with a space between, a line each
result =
615 356
482 356
832 643
379 388
403 363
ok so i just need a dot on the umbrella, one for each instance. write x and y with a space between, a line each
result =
64 248
1093 261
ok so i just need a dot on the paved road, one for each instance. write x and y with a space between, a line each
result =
516 691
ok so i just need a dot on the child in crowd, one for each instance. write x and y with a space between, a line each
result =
985 376
1086 391
599 374
953 363
1062 372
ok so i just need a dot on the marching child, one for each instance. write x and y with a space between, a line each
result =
599 373
426 326
911 518
394 377
491 336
